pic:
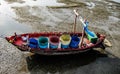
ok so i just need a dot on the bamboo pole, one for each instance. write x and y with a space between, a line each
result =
74 26
83 31
81 42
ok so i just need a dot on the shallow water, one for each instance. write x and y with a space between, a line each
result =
8 26
5 9
118 1
38 3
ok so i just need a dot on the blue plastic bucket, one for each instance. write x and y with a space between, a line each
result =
33 43
65 40
54 42
74 42
43 42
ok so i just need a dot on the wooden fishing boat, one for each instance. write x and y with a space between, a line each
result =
58 43
22 45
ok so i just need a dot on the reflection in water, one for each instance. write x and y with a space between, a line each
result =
39 3
5 9
61 64
117 1
7 23
8 26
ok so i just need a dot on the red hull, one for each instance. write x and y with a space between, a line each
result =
59 51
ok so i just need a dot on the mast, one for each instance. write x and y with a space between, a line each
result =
83 31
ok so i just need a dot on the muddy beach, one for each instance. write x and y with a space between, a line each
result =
23 16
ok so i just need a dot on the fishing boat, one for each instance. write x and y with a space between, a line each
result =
58 43
22 44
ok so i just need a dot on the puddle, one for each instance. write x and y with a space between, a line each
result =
8 26
118 1
7 15
7 23
38 3
90 5
5 9
115 19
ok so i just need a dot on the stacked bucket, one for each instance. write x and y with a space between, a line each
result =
54 42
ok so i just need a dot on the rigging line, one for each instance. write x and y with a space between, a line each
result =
65 20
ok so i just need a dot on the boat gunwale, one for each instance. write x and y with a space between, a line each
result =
58 51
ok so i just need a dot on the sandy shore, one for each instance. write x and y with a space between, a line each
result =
12 60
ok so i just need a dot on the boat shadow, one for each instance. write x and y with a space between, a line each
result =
53 64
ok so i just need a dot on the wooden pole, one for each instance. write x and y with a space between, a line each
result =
81 41
74 26
76 15
83 31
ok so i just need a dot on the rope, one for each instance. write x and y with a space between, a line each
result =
65 20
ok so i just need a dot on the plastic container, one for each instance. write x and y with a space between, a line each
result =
74 42
25 38
65 40
33 43
54 42
93 39
43 42
91 35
